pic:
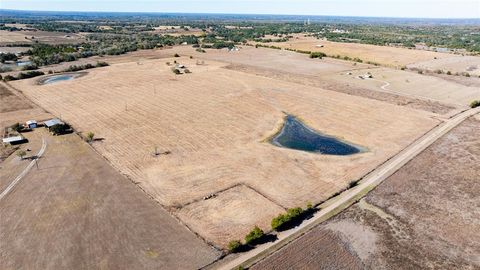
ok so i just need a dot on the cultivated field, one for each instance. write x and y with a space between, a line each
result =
412 85
389 56
468 64
425 216
77 212
13 37
212 124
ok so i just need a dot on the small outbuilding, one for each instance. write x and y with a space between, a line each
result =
31 124
14 140
52 122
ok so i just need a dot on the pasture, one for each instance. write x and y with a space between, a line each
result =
183 138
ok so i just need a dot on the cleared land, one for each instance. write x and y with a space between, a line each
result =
468 64
330 74
389 56
425 216
413 85
76 212
17 37
214 122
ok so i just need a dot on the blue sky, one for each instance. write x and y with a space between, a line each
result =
376 8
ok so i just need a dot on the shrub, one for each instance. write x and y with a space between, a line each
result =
9 78
89 136
176 55
449 73
234 246
254 236
59 129
474 104
102 64
317 55
30 67
21 154
17 127
200 50
282 221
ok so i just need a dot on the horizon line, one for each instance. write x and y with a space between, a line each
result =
251 14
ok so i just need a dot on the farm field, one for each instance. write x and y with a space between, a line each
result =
8 37
413 85
77 212
468 64
212 125
423 216
407 88
388 56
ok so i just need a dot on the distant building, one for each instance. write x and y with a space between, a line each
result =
14 140
31 124
53 122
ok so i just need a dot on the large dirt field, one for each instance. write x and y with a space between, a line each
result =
388 56
412 85
425 216
77 212
21 37
469 64
408 89
214 122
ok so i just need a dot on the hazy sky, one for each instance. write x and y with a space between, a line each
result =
377 8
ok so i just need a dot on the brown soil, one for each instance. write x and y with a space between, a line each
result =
322 249
76 212
11 102
425 216
214 122
343 87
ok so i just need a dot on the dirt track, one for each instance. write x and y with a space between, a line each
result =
77 212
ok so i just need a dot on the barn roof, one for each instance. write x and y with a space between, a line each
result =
53 122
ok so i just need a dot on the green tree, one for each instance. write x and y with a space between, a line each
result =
234 245
254 235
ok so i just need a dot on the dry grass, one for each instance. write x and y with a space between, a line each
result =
424 216
230 214
388 56
413 85
77 212
214 121
468 64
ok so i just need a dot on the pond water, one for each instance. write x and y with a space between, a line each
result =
23 63
58 78
296 135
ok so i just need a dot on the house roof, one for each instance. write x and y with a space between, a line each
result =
53 122
31 122
13 139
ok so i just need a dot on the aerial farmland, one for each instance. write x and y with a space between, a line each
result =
176 143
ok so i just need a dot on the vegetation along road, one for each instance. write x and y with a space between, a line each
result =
345 199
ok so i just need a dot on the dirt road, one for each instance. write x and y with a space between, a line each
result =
25 171
348 197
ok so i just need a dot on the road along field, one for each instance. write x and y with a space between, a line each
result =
387 56
74 211
425 216
212 125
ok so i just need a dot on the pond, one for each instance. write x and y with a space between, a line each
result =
58 78
296 135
